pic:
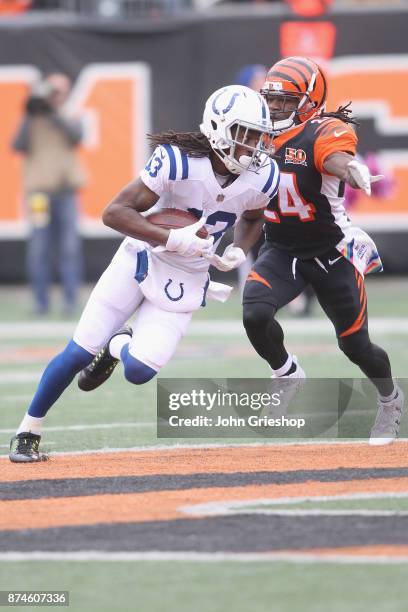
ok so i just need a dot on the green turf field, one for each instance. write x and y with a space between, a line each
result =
217 587
120 416
210 349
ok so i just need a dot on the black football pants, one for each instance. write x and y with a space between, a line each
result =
277 278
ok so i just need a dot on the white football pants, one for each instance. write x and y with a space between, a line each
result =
115 298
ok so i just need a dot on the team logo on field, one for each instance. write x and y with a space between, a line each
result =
295 156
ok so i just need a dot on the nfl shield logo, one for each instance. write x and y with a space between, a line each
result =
220 197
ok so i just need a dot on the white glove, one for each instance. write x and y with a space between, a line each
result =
185 242
232 258
358 175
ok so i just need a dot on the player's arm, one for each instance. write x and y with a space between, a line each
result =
248 230
334 152
123 213
336 164
348 169
246 234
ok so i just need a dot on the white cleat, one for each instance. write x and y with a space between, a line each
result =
387 422
288 387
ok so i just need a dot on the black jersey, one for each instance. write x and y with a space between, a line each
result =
307 215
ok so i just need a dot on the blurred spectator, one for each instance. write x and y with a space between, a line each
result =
251 75
47 138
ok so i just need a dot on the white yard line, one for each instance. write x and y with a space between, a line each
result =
244 507
215 327
8 445
218 557
294 327
177 446
86 427
17 398
328 512
19 377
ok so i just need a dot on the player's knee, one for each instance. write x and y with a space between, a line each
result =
257 315
138 372
356 346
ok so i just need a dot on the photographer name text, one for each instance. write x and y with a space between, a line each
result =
231 421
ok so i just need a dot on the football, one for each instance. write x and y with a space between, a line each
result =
175 218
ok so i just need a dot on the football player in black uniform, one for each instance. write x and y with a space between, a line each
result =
310 239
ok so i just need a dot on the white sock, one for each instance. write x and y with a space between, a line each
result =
285 368
389 398
117 343
31 424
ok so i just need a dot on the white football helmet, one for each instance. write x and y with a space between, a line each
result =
233 115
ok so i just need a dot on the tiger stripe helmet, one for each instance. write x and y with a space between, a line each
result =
296 78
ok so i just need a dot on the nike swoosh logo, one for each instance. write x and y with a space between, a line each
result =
333 261
337 134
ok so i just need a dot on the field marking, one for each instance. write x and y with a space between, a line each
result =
16 376
118 425
244 507
328 512
86 427
177 446
219 557
215 327
143 507
8 445
17 398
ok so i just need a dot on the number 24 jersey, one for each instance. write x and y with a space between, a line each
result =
306 217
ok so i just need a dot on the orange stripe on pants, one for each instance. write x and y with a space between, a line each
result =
254 276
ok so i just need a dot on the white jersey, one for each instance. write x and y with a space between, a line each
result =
189 183
165 288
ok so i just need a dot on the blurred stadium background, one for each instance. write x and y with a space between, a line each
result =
143 66
133 74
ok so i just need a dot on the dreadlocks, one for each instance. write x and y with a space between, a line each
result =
194 144
343 113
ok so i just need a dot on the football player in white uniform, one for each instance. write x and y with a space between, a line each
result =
225 176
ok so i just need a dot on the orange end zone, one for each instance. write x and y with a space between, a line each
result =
167 505
274 458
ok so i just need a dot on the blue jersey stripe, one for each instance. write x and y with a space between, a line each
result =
203 303
270 179
142 266
184 162
172 158
276 180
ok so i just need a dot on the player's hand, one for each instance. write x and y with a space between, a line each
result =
358 176
232 258
185 242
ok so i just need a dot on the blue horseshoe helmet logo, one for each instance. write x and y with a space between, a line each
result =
174 299
229 105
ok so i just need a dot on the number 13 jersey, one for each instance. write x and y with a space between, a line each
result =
306 217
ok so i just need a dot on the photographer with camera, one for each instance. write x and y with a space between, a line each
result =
52 175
